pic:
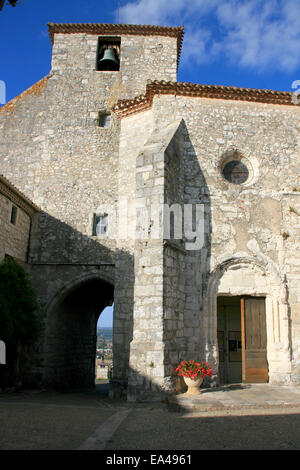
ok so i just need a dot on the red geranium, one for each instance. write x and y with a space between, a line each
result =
193 369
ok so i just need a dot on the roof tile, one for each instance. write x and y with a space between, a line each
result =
126 107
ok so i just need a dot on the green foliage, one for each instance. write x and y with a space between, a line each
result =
285 235
20 322
292 210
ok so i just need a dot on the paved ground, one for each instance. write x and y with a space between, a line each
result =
275 430
240 396
31 420
238 417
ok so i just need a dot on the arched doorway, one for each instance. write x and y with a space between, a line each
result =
71 336
240 278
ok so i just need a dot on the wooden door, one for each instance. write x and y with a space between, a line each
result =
254 340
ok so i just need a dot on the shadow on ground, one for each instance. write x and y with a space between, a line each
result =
227 388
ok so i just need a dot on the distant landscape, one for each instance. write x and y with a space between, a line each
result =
105 331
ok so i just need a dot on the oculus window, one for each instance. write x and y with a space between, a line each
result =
236 172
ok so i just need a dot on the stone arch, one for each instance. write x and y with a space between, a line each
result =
253 276
73 283
70 333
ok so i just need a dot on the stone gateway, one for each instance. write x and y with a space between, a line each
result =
178 202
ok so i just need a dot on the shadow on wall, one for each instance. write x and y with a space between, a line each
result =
56 242
198 261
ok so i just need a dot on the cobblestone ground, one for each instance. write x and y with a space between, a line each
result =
274 429
238 418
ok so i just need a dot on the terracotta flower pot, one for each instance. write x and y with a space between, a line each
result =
193 385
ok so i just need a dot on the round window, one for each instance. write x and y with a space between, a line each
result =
235 172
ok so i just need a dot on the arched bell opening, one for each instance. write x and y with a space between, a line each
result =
108 55
71 335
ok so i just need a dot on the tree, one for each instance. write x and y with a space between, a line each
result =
12 2
20 322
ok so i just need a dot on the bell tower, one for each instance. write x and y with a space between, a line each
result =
127 54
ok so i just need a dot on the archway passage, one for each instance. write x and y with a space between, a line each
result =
71 335
104 355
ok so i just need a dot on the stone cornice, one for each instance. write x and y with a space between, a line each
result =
18 198
143 102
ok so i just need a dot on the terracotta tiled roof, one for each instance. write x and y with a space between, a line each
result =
116 29
17 197
142 102
34 90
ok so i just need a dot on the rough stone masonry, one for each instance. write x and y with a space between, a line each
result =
167 143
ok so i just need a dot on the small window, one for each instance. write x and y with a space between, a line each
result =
13 215
108 55
104 119
100 224
236 172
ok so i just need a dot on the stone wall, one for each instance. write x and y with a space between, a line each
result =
159 267
258 219
70 163
67 163
14 238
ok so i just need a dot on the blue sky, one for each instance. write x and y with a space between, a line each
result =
105 318
248 43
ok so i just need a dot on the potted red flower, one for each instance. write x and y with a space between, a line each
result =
193 374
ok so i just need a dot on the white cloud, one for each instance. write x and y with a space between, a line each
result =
261 34
249 33
199 48
148 11
163 12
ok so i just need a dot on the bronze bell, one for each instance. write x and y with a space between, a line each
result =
109 61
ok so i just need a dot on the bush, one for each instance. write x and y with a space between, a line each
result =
20 322
20 319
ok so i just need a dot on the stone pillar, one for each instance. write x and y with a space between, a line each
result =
122 324
159 269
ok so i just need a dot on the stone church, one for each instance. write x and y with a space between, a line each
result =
179 203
